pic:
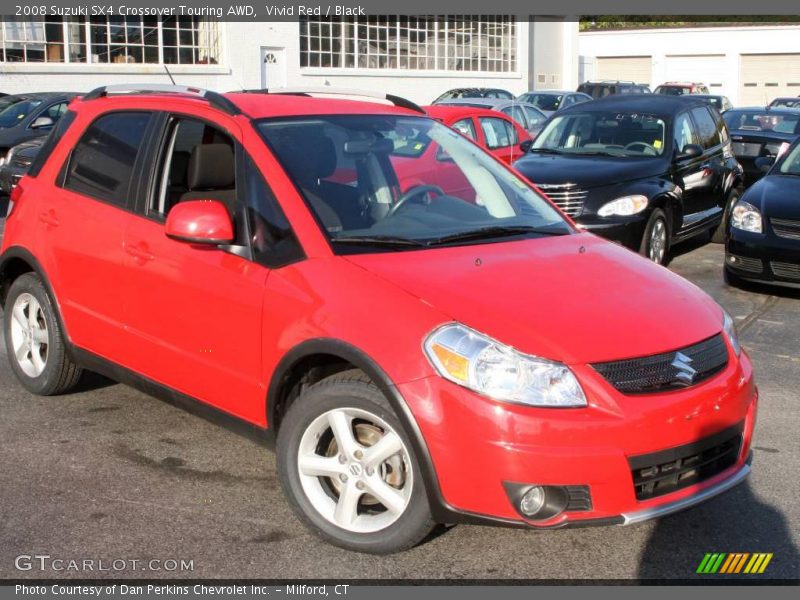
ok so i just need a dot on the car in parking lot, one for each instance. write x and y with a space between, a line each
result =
549 101
474 93
433 355
601 89
763 242
761 132
680 88
721 103
24 117
17 162
785 102
645 171
528 116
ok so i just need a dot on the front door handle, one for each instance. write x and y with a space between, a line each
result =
140 253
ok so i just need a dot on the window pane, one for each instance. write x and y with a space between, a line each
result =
465 127
706 127
102 162
496 132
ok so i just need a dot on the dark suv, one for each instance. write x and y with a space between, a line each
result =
644 171
601 89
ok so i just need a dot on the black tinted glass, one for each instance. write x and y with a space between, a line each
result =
706 127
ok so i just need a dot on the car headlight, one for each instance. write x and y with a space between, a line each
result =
729 327
624 207
488 367
746 217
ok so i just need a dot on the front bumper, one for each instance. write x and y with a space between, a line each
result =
763 257
627 231
477 445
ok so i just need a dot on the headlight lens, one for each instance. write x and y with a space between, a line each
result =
729 327
746 217
624 207
488 367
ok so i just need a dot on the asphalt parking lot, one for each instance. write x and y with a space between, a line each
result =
110 473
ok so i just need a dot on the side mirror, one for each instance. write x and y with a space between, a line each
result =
526 146
200 222
689 151
41 122
764 163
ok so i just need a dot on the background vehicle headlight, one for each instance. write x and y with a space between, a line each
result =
623 207
488 367
746 217
729 327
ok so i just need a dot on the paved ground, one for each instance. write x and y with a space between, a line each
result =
109 473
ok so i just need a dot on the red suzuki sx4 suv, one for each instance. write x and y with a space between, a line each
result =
428 345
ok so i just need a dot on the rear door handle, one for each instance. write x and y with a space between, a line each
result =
49 218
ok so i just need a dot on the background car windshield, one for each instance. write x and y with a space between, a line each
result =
360 187
672 91
761 121
607 132
791 164
13 114
543 101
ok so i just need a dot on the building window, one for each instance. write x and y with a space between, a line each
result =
443 43
100 40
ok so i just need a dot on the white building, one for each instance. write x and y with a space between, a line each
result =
415 57
751 65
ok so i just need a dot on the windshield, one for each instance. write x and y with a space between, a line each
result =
14 113
543 101
672 91
786 103
762 121
603 132
368 190
791 163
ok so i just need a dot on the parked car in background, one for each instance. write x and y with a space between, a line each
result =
550 101
531 118
474 93
761 132
763 241
679 88
721 103
27 116
601 89
645 171
16 163
501 135
785 102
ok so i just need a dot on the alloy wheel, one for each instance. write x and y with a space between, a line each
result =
30 338
658 242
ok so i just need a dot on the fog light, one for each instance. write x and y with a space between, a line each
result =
532 502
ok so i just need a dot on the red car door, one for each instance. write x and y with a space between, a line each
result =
194 312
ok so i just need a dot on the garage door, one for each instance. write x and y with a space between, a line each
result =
763 77
625 68
698 68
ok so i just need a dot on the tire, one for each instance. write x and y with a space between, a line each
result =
718 235
657 228
34 340
341 512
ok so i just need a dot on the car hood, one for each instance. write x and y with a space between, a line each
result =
777 196
586 171
574 298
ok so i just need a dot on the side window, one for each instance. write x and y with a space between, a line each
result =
706 127
516 113
567 101
498 133
684 132
197 164
274 242
465 127
534 118
102 162
56 111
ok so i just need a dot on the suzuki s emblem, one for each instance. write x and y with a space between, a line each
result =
683 366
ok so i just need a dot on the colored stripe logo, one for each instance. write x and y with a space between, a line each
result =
734 563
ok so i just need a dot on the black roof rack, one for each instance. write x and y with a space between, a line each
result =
309 91
214 98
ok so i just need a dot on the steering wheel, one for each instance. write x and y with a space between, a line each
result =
414 192
646 148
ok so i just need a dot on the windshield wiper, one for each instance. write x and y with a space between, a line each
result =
492 232
546 150
378 240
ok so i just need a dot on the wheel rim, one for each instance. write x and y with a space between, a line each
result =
658 241
355 470
30 338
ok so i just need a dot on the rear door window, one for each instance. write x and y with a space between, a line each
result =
706 127
498 132
516 113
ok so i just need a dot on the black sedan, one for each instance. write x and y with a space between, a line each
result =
763 241
24 117
760 132
16 163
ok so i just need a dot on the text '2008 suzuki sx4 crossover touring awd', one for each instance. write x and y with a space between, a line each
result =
429 344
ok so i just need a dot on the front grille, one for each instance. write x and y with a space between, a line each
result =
745 263
567 196
670 470
786 270
786 228
668 371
